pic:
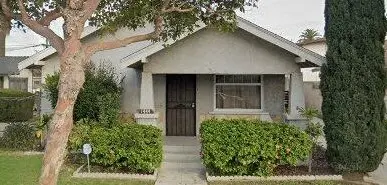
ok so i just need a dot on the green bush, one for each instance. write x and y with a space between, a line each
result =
16 106
99 82
51 87
251 147
128 147
109 109
19 136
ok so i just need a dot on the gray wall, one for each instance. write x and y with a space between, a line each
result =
131 84
159 92
204 97
313 98
211 52
274 87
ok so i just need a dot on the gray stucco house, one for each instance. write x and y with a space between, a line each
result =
204 74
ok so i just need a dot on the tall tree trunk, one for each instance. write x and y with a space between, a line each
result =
4 30
71 80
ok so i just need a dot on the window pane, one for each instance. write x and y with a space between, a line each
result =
238 97
255 78
238 79
219 78
36 72
228 78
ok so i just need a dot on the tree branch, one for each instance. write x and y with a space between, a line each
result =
99 46
56 41
50 16
6 10
177 9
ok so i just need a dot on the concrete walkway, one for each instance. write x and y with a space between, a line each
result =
181 164
379 176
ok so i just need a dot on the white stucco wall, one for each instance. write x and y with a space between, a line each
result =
319 48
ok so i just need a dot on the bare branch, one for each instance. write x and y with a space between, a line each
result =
50 16
174 8
99 46
56 41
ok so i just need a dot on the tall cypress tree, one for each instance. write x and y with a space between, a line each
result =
353 84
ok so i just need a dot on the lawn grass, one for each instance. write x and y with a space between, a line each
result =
280 183
17 169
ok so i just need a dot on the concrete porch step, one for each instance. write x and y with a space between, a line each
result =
181 166
195 150
181 158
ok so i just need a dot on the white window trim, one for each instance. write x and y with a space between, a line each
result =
238 110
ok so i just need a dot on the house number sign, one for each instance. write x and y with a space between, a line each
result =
145 111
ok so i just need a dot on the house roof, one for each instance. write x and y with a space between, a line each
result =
37 58
8 65
318 40
305 57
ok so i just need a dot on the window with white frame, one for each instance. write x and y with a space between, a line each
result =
238 92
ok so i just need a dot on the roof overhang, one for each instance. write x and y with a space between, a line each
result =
38 58
303 57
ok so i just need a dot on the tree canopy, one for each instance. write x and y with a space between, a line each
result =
309 35
178 16
353 84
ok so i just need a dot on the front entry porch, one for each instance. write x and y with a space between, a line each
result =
178 103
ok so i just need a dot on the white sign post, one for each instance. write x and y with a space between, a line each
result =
87 150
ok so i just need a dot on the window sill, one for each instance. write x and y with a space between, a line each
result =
238 112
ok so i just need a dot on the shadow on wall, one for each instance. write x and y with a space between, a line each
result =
313 98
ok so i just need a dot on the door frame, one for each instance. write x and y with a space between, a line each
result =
166 102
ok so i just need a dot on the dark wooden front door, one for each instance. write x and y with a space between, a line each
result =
181 108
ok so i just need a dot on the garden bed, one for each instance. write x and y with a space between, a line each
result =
320 166
101 173
320 171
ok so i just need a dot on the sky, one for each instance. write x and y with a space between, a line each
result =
287 18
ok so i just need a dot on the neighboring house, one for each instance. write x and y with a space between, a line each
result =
313 98
312 91
10 76
204 74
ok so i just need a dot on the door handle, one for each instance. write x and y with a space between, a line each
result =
193 105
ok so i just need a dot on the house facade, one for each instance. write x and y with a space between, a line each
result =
313 97
207 74
11 77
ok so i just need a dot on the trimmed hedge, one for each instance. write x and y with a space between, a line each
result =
124 147
19 136
251 147
16 106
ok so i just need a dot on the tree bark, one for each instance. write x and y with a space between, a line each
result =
4 30
71 81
